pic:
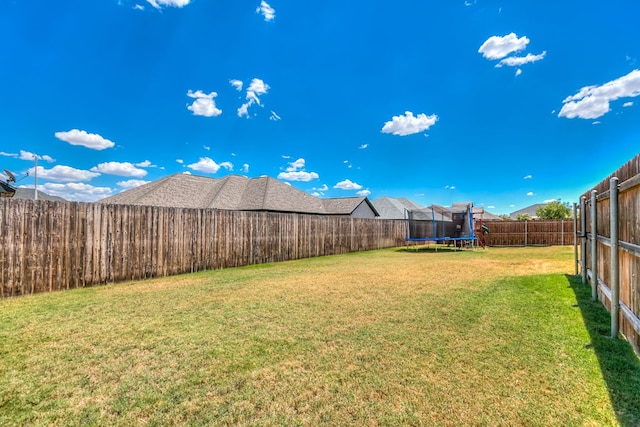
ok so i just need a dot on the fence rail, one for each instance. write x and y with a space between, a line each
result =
610 252
48 246
530 233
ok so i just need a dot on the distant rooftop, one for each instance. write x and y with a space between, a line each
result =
234 192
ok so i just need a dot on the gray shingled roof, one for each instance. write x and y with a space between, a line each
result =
346 205
392 208
483 214
530 210
29 194
233 192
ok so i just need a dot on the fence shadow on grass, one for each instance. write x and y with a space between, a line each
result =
619 364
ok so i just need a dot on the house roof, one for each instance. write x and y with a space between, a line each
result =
30 193
391 208
461 207
346 205
530 210
483 214
233 192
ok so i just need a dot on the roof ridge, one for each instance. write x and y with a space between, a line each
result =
146 189
266 191
217 189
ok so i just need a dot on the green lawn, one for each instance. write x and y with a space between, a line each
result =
391 337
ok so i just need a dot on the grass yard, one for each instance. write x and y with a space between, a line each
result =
391 337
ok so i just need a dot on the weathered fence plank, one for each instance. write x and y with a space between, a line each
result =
530 233
50 246
628 209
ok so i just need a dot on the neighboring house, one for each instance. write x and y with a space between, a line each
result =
30 194
6 190
481 213
235 192
529 210
390 208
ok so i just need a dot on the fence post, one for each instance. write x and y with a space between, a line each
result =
615 272
583 238
575 237
562 232
594 246
526 232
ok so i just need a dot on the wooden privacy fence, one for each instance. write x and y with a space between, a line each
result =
48 246
530 233
610 248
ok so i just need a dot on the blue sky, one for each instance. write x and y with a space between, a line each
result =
498 102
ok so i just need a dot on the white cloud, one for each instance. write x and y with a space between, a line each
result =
298 176
597 122
256 88
274 116
4 153
363 193
76 191
324 187
363 146
145 164
518 71
592 102
528 177
64 174
81 137
491 207
516 61
551 200
138 7
449 187
628 104
409 124
266 10
158 4
205 164
132 183
227 165
119 169
204 104
347 185
26 155
294 166
180 161
245 168
243 110
236 84
530 193
295 172
496 47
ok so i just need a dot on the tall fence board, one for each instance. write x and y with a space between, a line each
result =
529 233
49 246
629 246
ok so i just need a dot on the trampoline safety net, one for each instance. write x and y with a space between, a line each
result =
439 224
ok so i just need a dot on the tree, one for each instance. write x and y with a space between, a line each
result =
505 217
554 210
523 217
